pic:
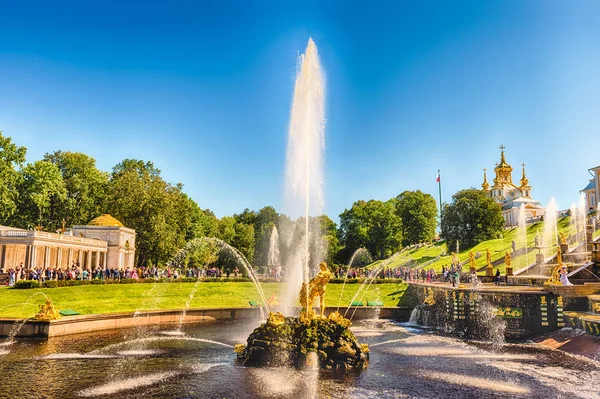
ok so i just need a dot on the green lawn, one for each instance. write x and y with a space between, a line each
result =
96 299
498 248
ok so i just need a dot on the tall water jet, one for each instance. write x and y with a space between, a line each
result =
522 232
574 220
303 194
273 258
582 222
550 230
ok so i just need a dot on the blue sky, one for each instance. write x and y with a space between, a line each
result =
203 89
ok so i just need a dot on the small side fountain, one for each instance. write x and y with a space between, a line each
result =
292 341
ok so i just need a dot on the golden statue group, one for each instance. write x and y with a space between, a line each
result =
316 288
287 341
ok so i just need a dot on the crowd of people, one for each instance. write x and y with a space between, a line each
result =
76 272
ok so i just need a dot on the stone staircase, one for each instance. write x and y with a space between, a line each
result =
588 321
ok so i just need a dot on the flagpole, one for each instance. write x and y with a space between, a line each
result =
440 189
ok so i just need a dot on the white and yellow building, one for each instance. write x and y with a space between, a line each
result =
592 190
104 243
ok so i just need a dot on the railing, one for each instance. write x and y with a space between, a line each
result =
13 233
53 236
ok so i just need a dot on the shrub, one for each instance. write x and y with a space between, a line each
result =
25 284
52 284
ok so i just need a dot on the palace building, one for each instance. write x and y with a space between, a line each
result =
592 190
104 242
509 196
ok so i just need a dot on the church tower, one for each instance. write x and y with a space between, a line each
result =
525 187
508 196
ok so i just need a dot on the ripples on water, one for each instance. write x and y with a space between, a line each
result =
405 363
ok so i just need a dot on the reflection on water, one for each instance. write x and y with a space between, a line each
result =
405 363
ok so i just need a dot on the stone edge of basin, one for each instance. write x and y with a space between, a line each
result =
111 321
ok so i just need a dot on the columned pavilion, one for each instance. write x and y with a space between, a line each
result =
103 243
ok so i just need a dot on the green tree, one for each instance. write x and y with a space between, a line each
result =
157 210
331 242
418 212
12 158
371 224
238 235
41 183
470 218
202 255
266 218
86 188
202 223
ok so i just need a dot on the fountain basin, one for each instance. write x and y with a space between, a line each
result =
113 321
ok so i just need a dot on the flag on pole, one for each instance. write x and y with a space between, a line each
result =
437 178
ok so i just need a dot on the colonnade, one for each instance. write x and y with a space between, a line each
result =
50 257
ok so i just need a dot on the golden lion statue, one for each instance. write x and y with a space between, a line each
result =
316 288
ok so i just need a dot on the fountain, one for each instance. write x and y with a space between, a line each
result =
522 232
303 195
550 230
294 341
273 258
291 341
357 253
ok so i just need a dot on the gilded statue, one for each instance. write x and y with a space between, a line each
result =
555 276
488 257
455 260
507 260
563 239
429 298
472 262
316 288
273 301
47 311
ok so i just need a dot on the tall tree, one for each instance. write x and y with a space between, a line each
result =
86 188
371 224
418 212
238 235
331 242
470 218
266 218
41 184
203 222
157 210
12 158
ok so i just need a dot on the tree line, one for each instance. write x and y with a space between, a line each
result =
67 186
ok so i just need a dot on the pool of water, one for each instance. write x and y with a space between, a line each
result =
406 362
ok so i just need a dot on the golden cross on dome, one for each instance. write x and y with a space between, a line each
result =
523 165
502 147
484 170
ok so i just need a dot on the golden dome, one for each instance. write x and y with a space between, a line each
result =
105 220
485 186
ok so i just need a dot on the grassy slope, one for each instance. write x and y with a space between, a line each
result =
498 248
95 299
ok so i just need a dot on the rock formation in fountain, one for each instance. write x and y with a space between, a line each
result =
290 341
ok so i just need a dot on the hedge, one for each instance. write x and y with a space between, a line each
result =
23 284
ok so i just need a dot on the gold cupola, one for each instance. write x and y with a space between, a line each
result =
105 220
525 187
485 185
503 171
